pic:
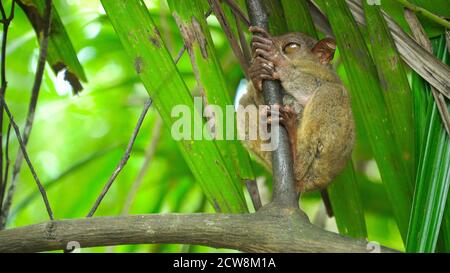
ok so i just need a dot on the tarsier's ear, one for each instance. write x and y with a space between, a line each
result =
324 49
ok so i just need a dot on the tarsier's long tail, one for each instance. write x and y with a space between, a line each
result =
327 202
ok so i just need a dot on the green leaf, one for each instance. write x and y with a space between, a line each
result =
210 79
298 17
277 23
60 53
433 176
347 204
367 97
393 82
439 7
155 67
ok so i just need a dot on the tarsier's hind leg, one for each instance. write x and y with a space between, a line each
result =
325 138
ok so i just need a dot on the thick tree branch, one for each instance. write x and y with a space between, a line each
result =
273 229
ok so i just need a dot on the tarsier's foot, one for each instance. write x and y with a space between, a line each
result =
289 121
266 58
271 113
287 117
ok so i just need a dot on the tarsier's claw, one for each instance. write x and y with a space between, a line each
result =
258 45
268 55
259 30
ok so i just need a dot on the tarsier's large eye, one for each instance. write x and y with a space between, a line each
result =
291 48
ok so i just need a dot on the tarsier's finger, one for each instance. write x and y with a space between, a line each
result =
259 39
262 53
259 61
259 65
257 45
267 67
261 74
260 31
257 82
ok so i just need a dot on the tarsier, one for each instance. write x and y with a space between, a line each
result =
316 109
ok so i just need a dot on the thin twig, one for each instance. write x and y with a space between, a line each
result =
6 22
243 41
5 178
127 154
252 188
220 15
419 10
447 38
238 12
180 54
32 105
27 158
320 19
124 159
149 153
28 199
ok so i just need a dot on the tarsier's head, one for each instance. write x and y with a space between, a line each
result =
299 45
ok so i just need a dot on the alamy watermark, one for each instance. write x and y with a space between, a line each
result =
374 2
248 123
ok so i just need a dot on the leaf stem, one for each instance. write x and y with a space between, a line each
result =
419 10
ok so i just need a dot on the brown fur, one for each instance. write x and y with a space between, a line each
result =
325 126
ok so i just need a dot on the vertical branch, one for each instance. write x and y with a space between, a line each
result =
6 22
5 177
30 117
284 192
